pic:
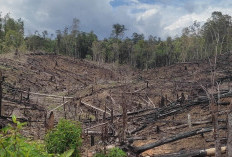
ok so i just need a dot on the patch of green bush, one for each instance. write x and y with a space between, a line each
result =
66 136
114 152
13 144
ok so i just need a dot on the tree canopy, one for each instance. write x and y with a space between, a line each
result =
196 42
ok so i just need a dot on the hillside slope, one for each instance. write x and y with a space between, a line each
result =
37 84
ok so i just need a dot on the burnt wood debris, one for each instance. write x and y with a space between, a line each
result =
136 112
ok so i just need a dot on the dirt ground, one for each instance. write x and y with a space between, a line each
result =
36 84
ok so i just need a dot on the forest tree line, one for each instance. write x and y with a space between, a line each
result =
196 42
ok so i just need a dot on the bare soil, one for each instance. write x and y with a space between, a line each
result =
107 87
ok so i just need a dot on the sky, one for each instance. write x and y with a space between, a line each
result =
160 18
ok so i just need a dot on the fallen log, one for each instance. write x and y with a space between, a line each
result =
93 107
95 126
223 140
194 124
138 129
196 153
140 111
132 139
21 119
224 103
47 95
174 108
151 101
185 125
139 103
92 132
58 107
224 79
143 148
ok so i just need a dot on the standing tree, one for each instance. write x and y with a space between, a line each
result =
58 38
118 30
1 33
74 33
13 33
98 52
136 37
215 32
45 33
75 27
125 51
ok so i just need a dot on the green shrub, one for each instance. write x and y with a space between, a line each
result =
13 144
114 152
66 135
88 57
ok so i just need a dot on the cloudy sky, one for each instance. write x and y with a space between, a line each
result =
151 17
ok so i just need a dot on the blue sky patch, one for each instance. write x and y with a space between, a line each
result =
117 3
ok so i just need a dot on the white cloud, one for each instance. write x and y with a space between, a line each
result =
147 14
168 17
188 19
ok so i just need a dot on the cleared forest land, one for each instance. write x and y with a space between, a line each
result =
166 107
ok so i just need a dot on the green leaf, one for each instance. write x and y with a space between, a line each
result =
14 119
67 153
6 129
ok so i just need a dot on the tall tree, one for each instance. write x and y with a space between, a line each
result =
215 31
13 33
58 38
118 30
117 34
75 27
1 33
136 37
98 51
45 33
125 51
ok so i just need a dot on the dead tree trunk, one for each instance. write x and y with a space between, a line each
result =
162 102
21 97
229 129
112 121
92 140
1 80
49 123
75 110
214 111
124 110
104 132
28 94
216 135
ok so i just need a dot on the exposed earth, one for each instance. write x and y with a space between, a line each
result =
158 102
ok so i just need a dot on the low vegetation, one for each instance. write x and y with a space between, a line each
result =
64 141
66 135
12 143
114 152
